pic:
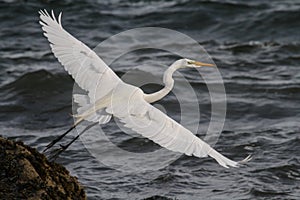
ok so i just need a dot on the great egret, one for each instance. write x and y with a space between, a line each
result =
109 96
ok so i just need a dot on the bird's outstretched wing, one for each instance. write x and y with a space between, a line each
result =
145 119
88 70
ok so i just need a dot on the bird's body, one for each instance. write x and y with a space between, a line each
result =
109 96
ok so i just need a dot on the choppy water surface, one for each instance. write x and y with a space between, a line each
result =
256 47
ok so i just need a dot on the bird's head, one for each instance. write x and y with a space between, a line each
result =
185 63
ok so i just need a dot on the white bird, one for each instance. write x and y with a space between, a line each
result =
109 96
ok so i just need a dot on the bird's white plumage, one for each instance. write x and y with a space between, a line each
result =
108 95
151 123
84 104
83 64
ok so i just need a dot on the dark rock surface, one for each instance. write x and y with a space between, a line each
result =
27 174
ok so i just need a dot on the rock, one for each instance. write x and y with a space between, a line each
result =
27 174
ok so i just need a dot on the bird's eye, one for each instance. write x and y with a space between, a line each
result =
189 62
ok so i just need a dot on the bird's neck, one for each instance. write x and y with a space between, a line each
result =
169 83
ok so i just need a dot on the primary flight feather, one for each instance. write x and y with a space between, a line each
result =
109 96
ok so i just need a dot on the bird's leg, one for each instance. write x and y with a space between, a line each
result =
98 105
51 144
62 148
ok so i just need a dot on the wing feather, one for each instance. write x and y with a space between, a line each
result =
88 70
145 119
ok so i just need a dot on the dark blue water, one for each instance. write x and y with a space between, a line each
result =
256 45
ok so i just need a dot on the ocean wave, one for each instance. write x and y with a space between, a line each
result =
36 99
39 83
255 45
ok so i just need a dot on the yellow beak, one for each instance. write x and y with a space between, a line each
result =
201 64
